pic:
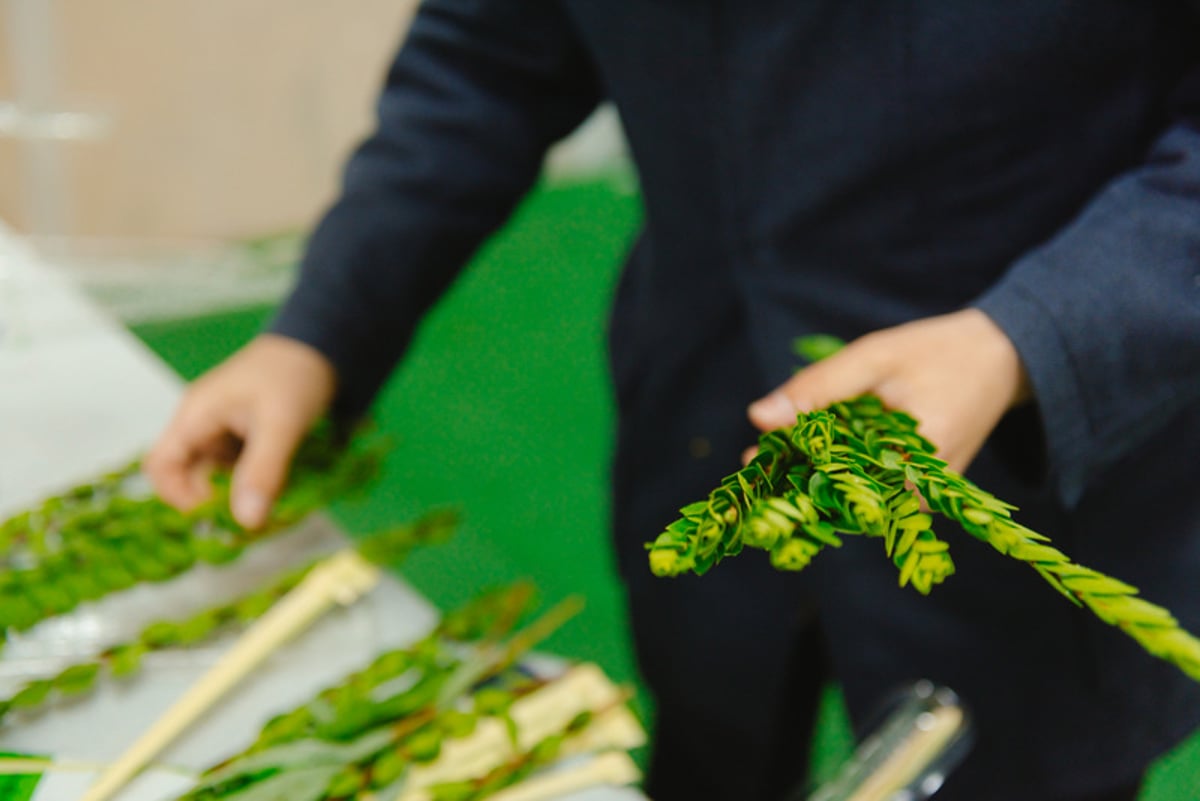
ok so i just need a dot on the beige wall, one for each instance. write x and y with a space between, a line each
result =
229 117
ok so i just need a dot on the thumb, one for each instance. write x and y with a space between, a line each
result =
846 374
262 468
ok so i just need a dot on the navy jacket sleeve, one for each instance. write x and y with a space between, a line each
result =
476 95
1106 315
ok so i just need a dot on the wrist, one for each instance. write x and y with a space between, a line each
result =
303 368
1001 358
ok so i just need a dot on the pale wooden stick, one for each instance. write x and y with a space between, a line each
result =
17 766
613 768
538 715
339 579
912 756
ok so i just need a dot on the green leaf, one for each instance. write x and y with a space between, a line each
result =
907 505
1098 584
667 562
214 552
824 532
547 749
84 586
32 694
425 745
18 612
492 701
126 660
979 517
911 561
890 459
300 754
819 489
252 607
390 665
162 634
387 768
453 791
457 724
50 598
177 556
286 727
77 679
814 347
304 783
351 716
115 576
148 568
425 693
1141 611
347 781
198 627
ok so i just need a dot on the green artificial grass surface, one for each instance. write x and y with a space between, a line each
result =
502 409
17 786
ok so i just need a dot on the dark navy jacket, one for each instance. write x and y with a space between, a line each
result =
841 166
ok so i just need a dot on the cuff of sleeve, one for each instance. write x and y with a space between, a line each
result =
1053 377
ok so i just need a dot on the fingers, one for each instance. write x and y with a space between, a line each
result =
252 411
957 374
195 443
180 462
848 373
262 468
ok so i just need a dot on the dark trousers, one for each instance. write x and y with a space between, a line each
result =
1124 794
735 659
735 702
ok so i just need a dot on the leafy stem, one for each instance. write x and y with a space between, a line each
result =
858 468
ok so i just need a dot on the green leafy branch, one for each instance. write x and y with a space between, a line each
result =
858 468
103 537
402 683
123 660
367 731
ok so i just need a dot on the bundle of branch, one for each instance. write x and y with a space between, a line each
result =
108 535
123 660
452 717
858 468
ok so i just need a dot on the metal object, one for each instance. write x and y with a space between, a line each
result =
925 733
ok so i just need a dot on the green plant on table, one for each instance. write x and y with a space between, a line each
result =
369 730
123 660
857 468
106 536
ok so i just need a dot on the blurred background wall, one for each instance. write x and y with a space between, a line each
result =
171 154
214 119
